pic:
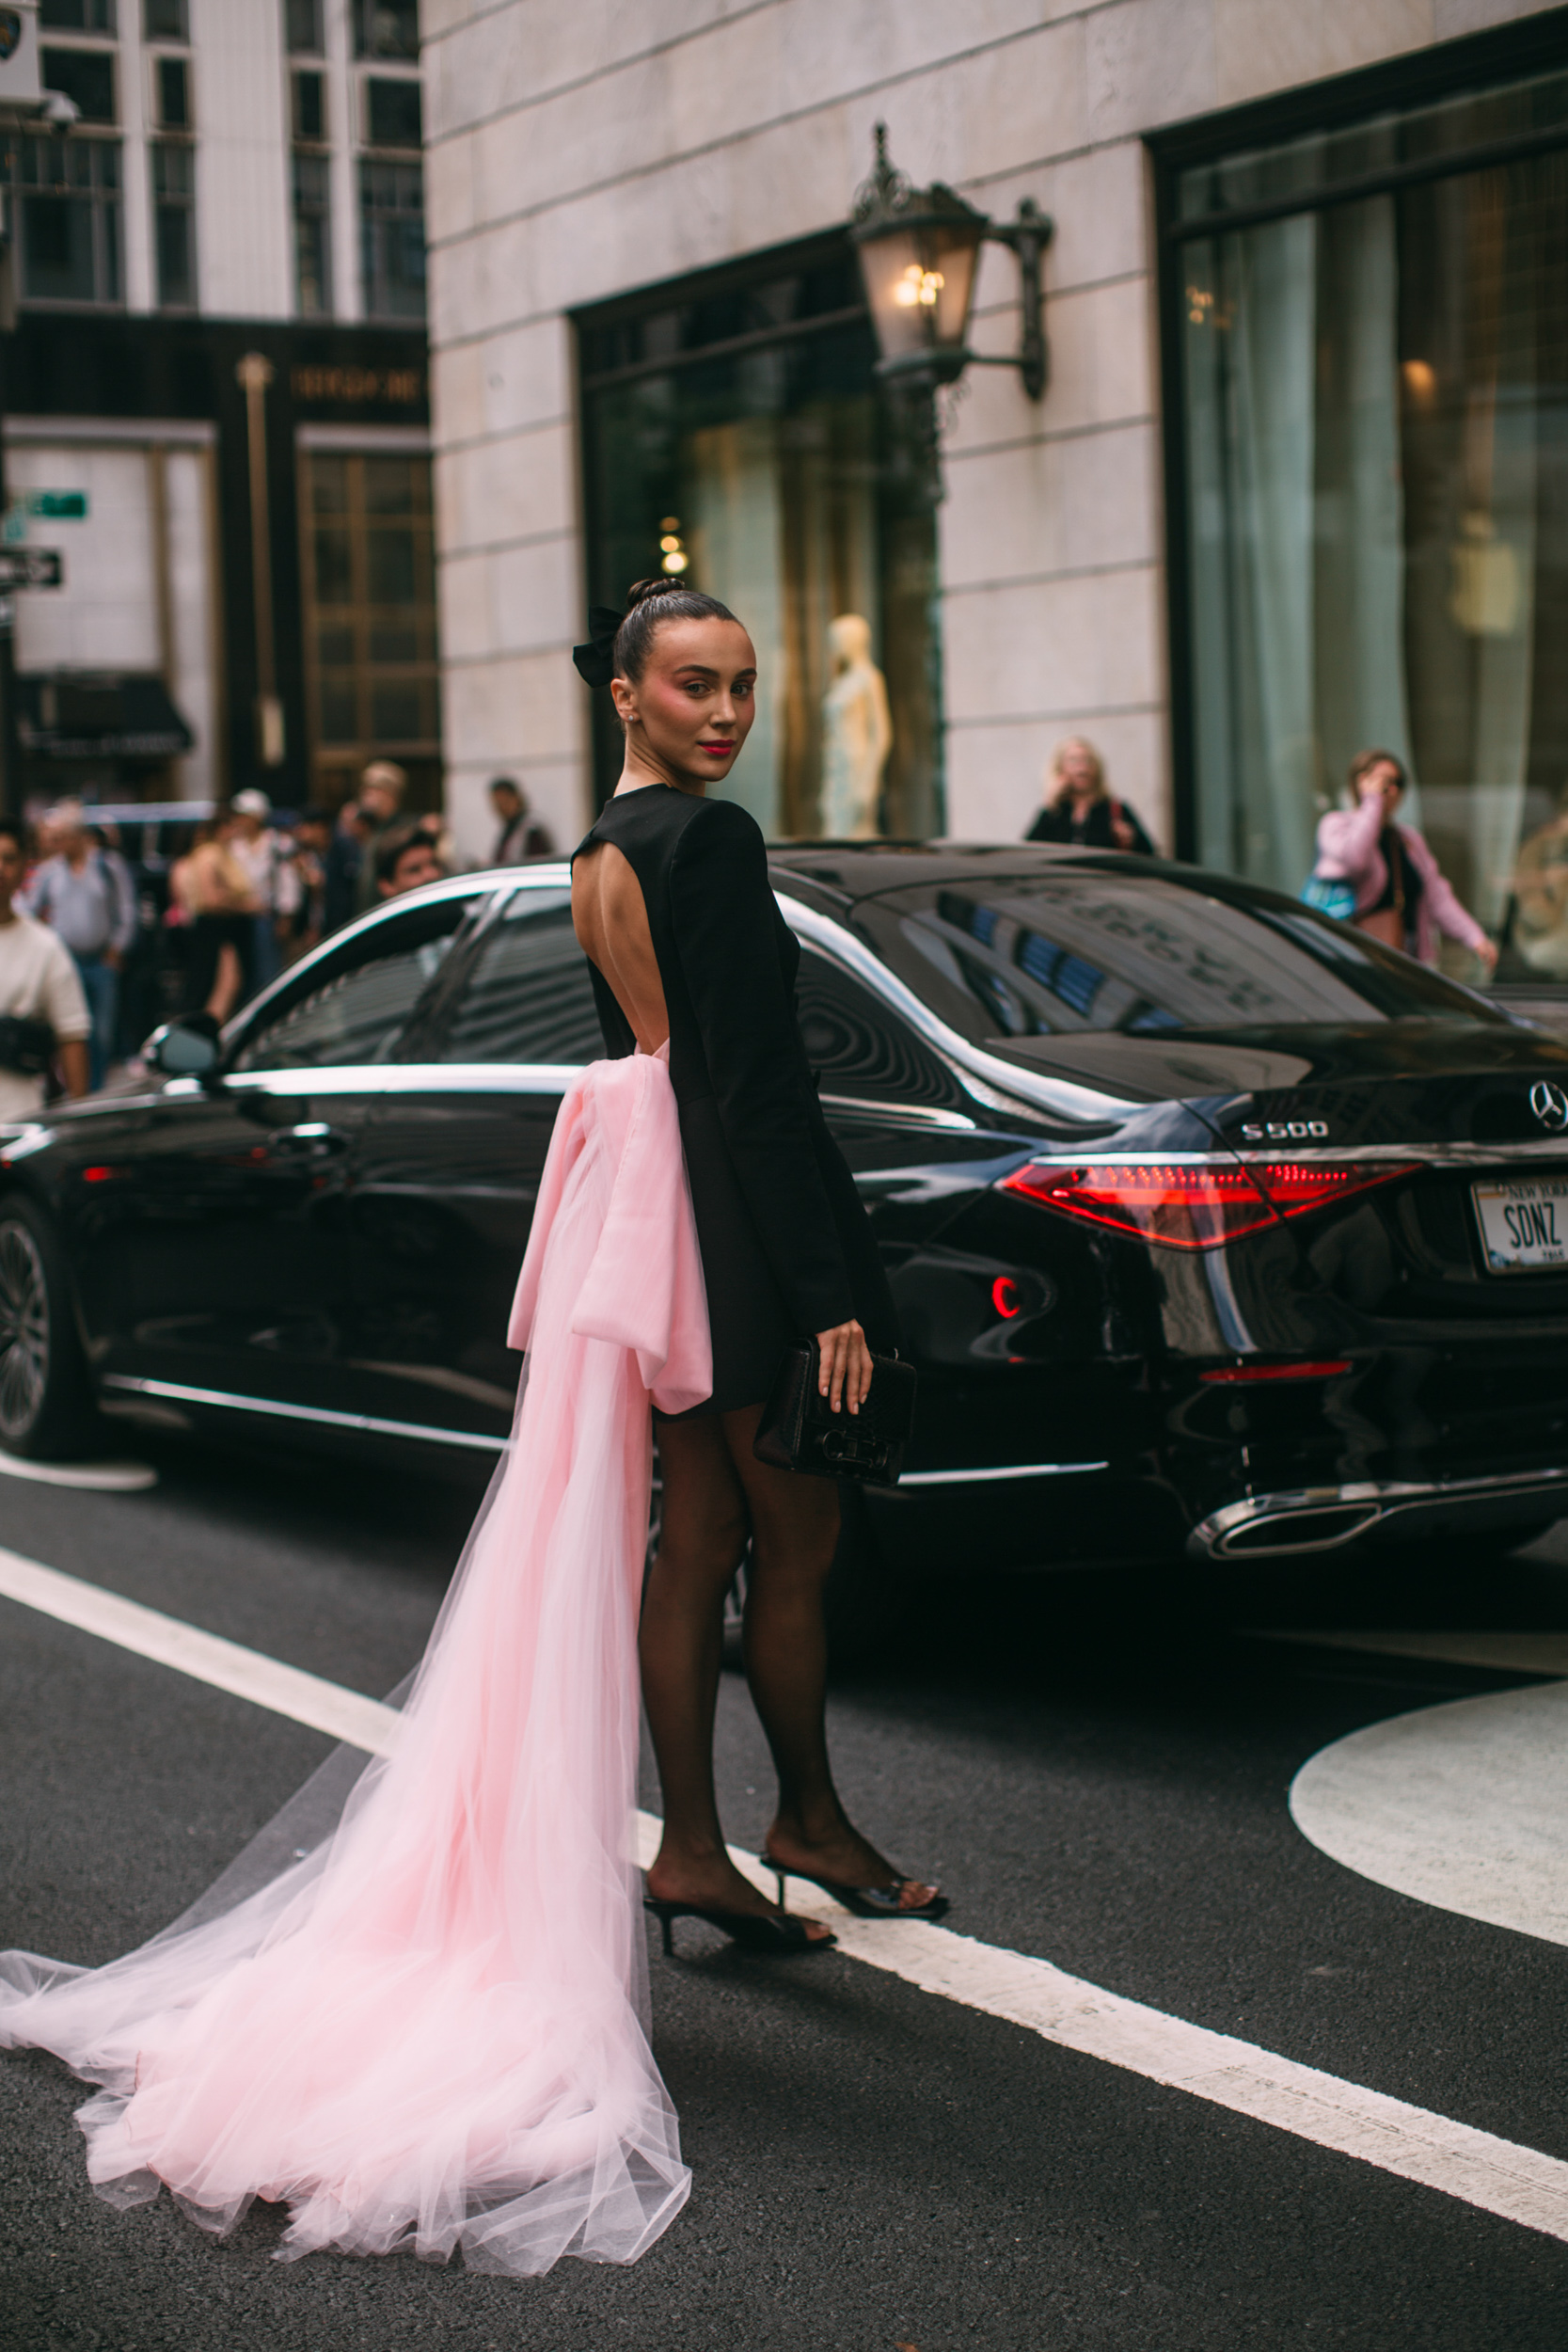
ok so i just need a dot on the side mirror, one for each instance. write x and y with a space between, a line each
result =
186 1048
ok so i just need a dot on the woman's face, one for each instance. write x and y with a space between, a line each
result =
1383 783
692 710
1076 771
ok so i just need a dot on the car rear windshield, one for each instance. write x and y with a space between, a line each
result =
1032 955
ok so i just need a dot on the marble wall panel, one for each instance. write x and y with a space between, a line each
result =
1148 62
1451 18
504 384
499 492
1263 45
1101 369
1050 506
516 708
1054 649
1098 203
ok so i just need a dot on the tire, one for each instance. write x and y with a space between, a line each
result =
44 1402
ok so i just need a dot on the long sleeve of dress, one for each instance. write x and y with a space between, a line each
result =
725 922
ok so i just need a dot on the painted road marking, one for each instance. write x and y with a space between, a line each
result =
1510 1653
1459 1806
1519 2183
246 1674
105 1478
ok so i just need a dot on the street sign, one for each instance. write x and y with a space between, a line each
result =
31 568
61 506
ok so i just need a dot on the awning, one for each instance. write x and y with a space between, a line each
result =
78 716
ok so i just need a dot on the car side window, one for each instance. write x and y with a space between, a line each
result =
857 1044
528 997
356 1003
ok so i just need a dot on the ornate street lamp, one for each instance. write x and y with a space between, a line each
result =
919 251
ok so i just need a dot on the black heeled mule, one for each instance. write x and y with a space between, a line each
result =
779 1938
866 1902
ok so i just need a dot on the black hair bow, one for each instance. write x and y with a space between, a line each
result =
595 662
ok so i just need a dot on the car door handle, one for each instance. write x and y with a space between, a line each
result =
313 1139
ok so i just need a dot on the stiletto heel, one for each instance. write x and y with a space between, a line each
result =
866 1902
778 1881
777 1937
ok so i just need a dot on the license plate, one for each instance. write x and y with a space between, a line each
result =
1524 1224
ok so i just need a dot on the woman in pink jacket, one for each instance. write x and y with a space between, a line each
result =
1401 896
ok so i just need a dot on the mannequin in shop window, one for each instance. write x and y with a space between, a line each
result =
856 734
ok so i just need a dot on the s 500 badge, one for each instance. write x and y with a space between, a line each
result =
1288 1131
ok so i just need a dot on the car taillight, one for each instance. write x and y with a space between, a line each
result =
1195 1204
1296 1185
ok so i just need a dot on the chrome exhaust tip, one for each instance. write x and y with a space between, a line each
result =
1277 1533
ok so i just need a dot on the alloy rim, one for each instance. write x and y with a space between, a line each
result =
23 1331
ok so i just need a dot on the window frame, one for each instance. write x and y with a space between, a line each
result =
378 223
1403 86
101 197
362 944
165 203
429 1046
359 615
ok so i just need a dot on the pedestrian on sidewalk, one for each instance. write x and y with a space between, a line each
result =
263 854
213 892
1401 897
521 838
44 1021
1079 808
84 894
381 795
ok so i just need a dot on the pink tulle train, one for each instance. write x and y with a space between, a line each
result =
428 2033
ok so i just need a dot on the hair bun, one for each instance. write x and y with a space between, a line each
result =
662 584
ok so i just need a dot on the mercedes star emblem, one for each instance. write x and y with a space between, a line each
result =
1549 1103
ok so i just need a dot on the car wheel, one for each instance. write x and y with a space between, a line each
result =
44 1385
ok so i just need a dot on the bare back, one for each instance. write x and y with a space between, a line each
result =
611 921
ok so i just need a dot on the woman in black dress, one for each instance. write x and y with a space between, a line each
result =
671 904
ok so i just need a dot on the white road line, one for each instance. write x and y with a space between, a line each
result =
106 1478
1519 2183
245 1673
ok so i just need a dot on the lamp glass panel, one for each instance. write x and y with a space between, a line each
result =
893 268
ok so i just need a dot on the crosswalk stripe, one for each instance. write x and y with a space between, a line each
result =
1498 2176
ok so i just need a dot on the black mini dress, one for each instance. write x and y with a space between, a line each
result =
787 1248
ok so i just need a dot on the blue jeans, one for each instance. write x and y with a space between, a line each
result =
100 987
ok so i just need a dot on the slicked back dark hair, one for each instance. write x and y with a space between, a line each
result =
649 603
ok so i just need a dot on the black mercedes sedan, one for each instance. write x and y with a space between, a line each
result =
1214 1226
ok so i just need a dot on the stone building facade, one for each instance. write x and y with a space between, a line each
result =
613 191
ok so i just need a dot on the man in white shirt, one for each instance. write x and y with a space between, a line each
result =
37 984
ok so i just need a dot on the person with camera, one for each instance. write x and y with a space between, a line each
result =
44 1019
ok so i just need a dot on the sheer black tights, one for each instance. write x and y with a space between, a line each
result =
716 1493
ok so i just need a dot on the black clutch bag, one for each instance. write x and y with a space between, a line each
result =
25 1046
800 1431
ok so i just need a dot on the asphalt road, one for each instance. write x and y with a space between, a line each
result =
1096 1769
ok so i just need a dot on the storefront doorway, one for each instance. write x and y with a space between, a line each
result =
733 432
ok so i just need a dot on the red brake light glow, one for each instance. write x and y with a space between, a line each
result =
1196 1204
1005 1297
1248 1375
